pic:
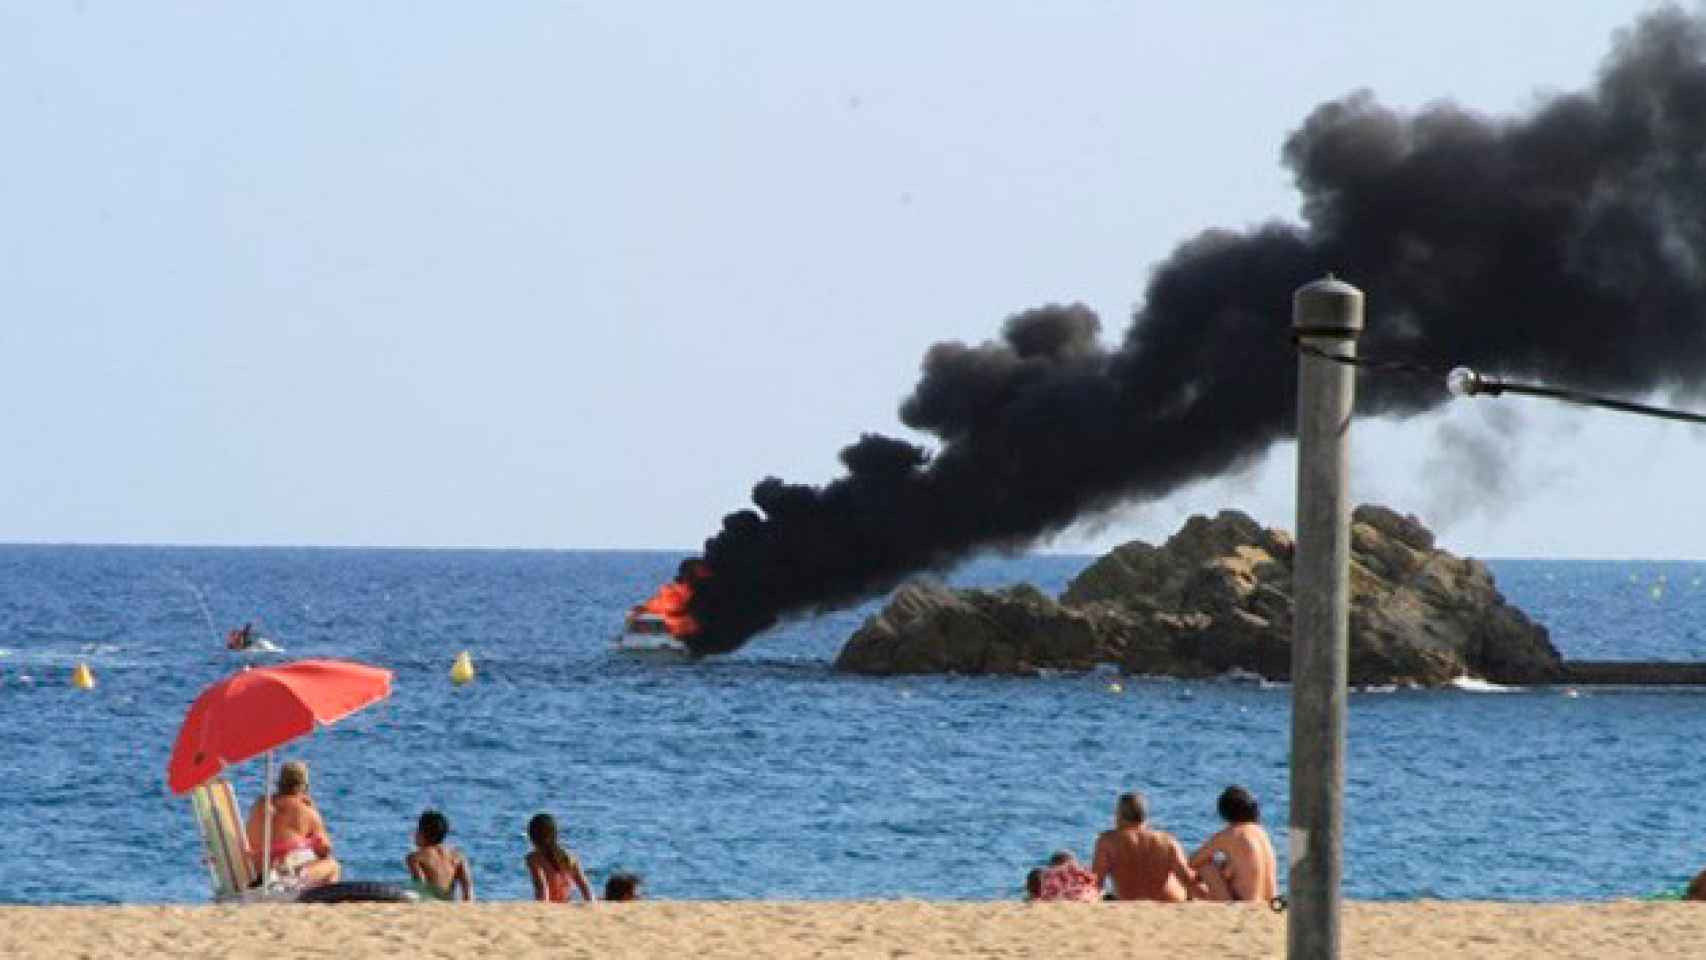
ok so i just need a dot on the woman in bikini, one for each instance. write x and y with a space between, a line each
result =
551 867
300 846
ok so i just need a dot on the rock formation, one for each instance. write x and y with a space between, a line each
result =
1217 597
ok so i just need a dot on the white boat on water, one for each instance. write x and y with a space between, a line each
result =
646 634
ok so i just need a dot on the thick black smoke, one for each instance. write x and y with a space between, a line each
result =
1568 245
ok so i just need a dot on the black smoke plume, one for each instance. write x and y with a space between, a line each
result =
1568 245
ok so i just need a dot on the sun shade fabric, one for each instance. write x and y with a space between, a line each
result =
260 709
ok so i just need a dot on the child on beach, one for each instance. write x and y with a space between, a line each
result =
1066 879
439 869
551 867
622 887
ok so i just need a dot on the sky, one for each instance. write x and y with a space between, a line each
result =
565 275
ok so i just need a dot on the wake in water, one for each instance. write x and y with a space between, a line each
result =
245 639
1477 685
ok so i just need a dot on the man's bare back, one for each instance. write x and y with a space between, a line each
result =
1238 864
1144 864
441 867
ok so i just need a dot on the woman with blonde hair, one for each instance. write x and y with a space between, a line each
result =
300 846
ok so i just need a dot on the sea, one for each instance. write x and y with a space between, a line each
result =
764 774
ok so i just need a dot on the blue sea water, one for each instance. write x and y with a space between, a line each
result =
763 774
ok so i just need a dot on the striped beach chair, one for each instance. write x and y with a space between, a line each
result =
224 842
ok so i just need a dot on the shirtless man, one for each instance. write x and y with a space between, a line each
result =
441 868
1145 864
299 842
1238 862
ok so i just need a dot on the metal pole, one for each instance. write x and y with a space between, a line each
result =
1326 316
266 828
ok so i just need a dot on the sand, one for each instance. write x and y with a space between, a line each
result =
895 929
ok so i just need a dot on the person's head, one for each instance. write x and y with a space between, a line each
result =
1061 858
1131 810
432 829
293 778
622 886
1696 887
542 830
1034 883
1238 805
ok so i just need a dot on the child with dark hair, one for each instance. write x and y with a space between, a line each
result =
439 870
552 867
622 887
1034 884
1238 862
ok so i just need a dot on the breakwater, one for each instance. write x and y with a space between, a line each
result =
1642 673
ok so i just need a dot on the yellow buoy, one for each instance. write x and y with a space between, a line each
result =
462 671
1115 688
83 678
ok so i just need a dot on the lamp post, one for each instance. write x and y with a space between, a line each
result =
1326 320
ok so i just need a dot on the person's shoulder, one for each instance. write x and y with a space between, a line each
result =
1248 832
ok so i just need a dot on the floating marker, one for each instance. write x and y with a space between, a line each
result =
1115 688
1658 591
462 671
83 678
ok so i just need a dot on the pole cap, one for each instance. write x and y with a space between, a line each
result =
1328 307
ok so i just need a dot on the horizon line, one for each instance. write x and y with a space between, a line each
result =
487 548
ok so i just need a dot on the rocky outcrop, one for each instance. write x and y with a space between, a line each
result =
928 628
1217 596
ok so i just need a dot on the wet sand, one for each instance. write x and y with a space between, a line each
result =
892 929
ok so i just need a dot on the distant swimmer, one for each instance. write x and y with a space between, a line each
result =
245 640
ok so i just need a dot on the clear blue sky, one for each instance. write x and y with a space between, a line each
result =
576 275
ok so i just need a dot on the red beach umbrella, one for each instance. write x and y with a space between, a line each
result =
263 708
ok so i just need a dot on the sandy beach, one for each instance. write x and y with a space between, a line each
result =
896 929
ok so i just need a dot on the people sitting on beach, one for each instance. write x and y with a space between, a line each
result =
621 887
1238 862
438 869
300 846
1145 864
552 867
1066 879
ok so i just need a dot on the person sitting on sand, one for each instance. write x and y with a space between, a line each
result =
1238 862
1145 864
622 887
1696 887
438 868
1066 879
551 867
300 846
1034 884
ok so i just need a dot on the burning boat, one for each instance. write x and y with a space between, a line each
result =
659 625
647 633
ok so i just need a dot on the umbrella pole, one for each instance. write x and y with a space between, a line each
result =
266 829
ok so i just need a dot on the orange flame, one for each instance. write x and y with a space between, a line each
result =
672 601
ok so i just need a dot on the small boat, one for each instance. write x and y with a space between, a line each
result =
648 634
